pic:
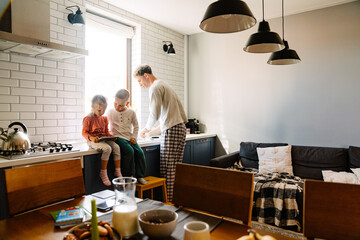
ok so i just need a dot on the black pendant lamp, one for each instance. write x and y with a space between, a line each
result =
286 56
227 16
264 41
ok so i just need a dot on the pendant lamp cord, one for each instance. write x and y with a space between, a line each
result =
263 9
283 19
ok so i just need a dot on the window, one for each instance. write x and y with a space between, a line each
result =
106 66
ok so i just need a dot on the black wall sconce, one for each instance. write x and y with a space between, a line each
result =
75 18
168 47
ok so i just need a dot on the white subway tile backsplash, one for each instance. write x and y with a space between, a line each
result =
50 93
69 101
69 66
48 63
69 129
26 76
24 59
27 84
26 108
4 56
50 123
50 138
24 99
70 32
53 5
62 108
5 90
69 73
9 99
49 115
70 80
9 82
33 123
57 14
69 115
26 91
4 73
9 65
9 116
69 94
48 85
50 78
31 131
68 87
49 130
27 115
36 138
50 108
68 136
49 100
4 108
50 71
27 68
53 20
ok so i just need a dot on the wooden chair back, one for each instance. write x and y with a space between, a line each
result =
37 185
331 210
222 192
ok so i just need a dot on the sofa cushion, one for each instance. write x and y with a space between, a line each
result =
340 177
275 159
308 162
354 157
248 153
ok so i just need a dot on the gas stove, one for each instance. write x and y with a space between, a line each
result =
38 149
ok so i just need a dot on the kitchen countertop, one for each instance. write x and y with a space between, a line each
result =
83 151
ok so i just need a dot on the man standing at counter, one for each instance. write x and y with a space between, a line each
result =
165 107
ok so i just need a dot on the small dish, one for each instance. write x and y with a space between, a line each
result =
83 226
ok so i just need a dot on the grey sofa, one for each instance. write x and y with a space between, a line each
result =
307 161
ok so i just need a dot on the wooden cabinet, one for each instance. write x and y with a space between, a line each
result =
199 151
91 171
152 158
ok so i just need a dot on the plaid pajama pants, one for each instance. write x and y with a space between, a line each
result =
171 152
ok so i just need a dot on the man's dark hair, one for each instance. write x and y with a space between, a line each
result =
141 70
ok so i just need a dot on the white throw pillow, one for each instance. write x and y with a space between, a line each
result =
340 177
275 159
357 172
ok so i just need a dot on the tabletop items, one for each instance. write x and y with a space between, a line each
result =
158 223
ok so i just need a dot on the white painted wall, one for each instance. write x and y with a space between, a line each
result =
48 96
317 102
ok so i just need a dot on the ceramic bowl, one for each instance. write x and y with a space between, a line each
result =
158 223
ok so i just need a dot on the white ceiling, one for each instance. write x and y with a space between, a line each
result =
184 16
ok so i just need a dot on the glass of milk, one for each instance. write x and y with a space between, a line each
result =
125 214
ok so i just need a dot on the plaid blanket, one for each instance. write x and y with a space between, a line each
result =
275 197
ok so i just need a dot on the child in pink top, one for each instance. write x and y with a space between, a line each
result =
95 125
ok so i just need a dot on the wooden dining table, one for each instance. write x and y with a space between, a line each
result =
39 224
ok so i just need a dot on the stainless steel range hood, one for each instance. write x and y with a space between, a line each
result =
38 48
25 29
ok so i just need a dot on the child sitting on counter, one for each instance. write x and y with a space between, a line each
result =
95 125
124 125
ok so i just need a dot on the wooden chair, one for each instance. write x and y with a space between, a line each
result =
331 210
37 185
217 191
152 182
